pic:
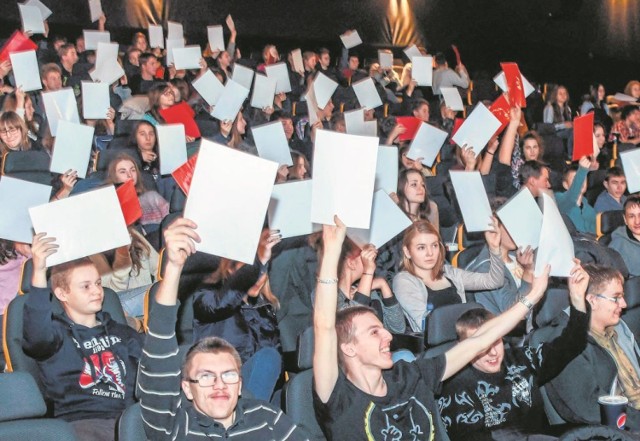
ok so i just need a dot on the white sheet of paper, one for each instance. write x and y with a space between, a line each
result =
280 73
452 98
175 31
172 147
44 11
312 105
336 188
60 105
472 199
171 44
427 143
385 58
242 75
412 51
215 37
477 129
422 70
624 97
25 70
16 197
631 165
290 209
230 101
387 221
264 89
108 69
354 122
387 169
351 40
522 218
95 9
220 191
92 38
32 20
323 87
209 87
187 57
298 64
366 92
95 100
555 247
86 224
501 80
156 36
72 148
271 143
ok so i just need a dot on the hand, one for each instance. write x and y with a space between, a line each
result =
254 291
578 283
203 65
394 197
230 24
539 285
148 156
268 239
41 248
515 114
172 71
180 241
568 124
102 20
225 128
20 98
525 258
585 162
468 158
69 179
368 257
5 68
111 114
279 99
123 80
283 173
268 111
380 284
333 237
417 164
493 236
189 138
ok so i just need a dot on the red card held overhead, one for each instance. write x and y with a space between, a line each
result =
411 125
182 113
582 136
184 174
129 202
515 85
500 109
456 51
18 42
457 123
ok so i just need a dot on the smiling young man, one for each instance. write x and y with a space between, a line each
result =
626 239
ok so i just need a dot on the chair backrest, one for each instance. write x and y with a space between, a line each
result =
608 221
441 327
631 314
130 426
555 301
124 127
463 258
104 157
31 165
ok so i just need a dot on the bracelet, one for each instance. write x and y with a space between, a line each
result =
367 274
490 153
327 281
526 303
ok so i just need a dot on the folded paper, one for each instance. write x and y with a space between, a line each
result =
129 202
422 70
215 38
280 73
187 57
452 98
367 94
264 89
230 101
156 36
631 164
60 105
387 169
172 147
242 75
351 39
209 87
583 136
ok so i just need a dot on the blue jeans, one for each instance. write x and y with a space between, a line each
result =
261 372
132 301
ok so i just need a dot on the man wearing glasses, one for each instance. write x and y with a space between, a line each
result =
209 377
611 352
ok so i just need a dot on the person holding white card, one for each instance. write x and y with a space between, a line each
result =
232 132
141 83
427 280
444 76
413 198
145 140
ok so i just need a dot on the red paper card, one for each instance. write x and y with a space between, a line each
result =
184 174
182 113
129 202
583 136
457 123
18 42
457 52
514 84
160 73
500 109
411 124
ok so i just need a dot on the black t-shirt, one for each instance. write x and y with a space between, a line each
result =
407 412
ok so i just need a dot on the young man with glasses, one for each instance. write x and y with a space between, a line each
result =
210 375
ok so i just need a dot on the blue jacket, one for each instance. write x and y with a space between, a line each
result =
584 216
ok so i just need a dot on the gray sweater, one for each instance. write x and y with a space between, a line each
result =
628 248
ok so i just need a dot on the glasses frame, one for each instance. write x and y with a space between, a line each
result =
615 300
210 376
10 131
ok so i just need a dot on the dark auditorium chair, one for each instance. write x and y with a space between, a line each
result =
30 165
549 316
631 314
606 223
595 186
464 257
124 127
441 327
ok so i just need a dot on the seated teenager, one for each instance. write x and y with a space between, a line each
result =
358 392
626 239
413 197
535 176
498 395
572 201
612 197
87 361
210 375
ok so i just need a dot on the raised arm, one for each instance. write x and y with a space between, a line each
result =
508 142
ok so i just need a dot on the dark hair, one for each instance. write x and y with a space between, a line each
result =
600 275
472 319
614 172
531 169
440 59
183 87
532 135
154 93
7 251
416 104
210 345
345 329
336 118
632 201
144 57
65 48
628 110
571 168
322 51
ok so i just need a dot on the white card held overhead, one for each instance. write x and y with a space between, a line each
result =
555 247
501 81
25 70
92 38
172 147
290 209
72 148
175 31
44 11
387 169
280 73
187 57
354 122
230 101
242 75
156 36
60 105
631 165
108 69
623 97
296 56
452 98
226 227
387 221
171 44
422 70
385 58
82 225
427 143
215 38
477 129
323 88
472 199
412 51
95 100
16 197
271 143
367 94
336 188
32 20
95 10
264 89
351 39
522 218
209 87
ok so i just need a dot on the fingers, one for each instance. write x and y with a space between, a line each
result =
338 222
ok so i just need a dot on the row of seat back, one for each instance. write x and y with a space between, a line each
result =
606 223
30 165
440 331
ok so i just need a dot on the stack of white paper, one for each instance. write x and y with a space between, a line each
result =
280 73
215 38
92 38
366 92
60 105
426 144
387 169
187 57
209 87
385 58
156 36
32 20
501 81
555 247
172 147
95 100
472 199
230 101
16 197
522 218
290 209
631 165
452 98
72 148
477 129
264 89
25 70
323 88
271 143
242 75
95 9
422 70
44 11
351 39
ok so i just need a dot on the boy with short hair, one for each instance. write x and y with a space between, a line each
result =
612 197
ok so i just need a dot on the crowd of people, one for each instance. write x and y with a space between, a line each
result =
246 317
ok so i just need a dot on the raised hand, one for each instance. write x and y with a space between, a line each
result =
268 239
41 248
578 283
180 241
493 236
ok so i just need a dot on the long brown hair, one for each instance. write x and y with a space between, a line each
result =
138 250
111 171
423 227
10 120
424 210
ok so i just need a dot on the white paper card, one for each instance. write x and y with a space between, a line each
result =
351 39
230 101
187 57
60 105
271 143
427 143
366 92
264 89
108 69
32 20
555 247
323 87
296 56
631 165
25 70
95 9
175 31
385 58
171 44
209 87
387 169
623 97
501 80
387 221
16 197
422 70
72 148
44 11
290 209
477 129
172 147
336 188
452 98
354 122
86 224
472 199
280 73
522 218
412 51
95 100
215 38
312 105
156 36
92 38
242 75
219 182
